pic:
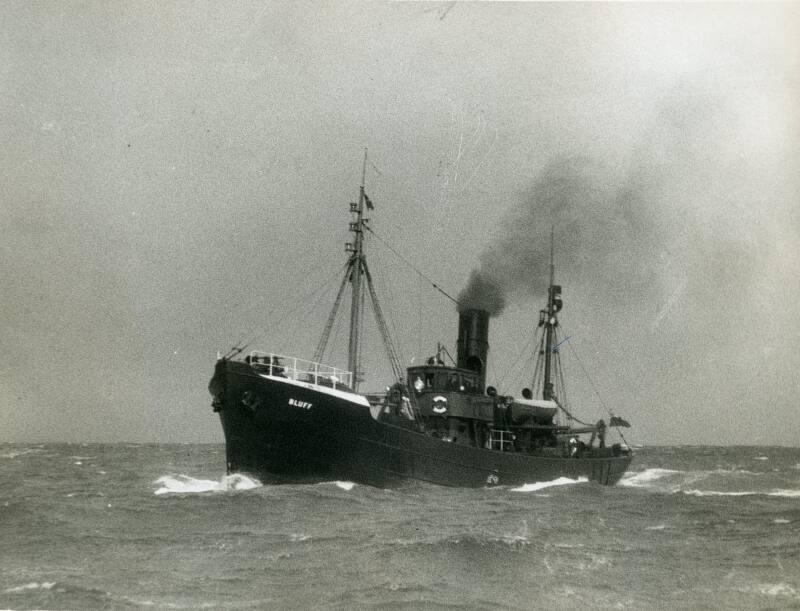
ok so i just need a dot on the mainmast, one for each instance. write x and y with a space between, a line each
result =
356 268
554 304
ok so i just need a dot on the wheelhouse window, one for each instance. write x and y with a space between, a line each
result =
468 383
441 379
453 381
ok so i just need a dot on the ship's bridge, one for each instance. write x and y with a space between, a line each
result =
439 378
443 392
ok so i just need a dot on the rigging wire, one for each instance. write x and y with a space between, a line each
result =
383 328
385 289
538 371
412 266
337 332
319 291
361 334
588 377
305 313
256 331
326 332
610 413
617 371
516 364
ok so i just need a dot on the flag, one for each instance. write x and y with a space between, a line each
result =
368 201
617 421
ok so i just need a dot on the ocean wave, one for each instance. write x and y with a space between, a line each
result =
480 543
515 542
18 453
561 481
777 590
79 596
184 484
643 479
345 485
704 483
45 585
783 493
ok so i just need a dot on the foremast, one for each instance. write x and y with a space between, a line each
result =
356 268
358 275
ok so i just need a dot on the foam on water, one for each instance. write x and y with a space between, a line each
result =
15 454
184 484
783 590
561 481
703 483
783 493
45 585
643 479
595 546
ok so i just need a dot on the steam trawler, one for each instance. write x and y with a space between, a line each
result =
289 420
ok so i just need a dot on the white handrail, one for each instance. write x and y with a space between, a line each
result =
302 370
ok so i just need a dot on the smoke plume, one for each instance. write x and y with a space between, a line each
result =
569 197
683 226
689 254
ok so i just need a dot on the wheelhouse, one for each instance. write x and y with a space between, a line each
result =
439 379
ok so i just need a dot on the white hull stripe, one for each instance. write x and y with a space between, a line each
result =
327 390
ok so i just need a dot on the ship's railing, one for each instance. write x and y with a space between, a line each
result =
301 370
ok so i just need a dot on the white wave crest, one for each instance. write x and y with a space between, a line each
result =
642 479
345 485
183 484
694 482
45 585
779 492
15 454
561 481
777 589
717 493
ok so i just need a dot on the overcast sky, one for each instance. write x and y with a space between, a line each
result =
176 177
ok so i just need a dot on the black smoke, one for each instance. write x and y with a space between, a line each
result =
686 257
568 198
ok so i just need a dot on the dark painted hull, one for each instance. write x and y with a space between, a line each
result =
284 431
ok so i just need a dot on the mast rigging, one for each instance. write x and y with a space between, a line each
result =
356 270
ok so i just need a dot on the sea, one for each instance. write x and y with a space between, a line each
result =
137 526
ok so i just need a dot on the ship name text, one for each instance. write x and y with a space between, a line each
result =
300 404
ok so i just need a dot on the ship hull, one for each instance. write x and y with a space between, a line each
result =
283 431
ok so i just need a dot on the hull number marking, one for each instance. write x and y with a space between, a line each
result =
300 404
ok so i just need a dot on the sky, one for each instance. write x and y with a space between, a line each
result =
176 178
